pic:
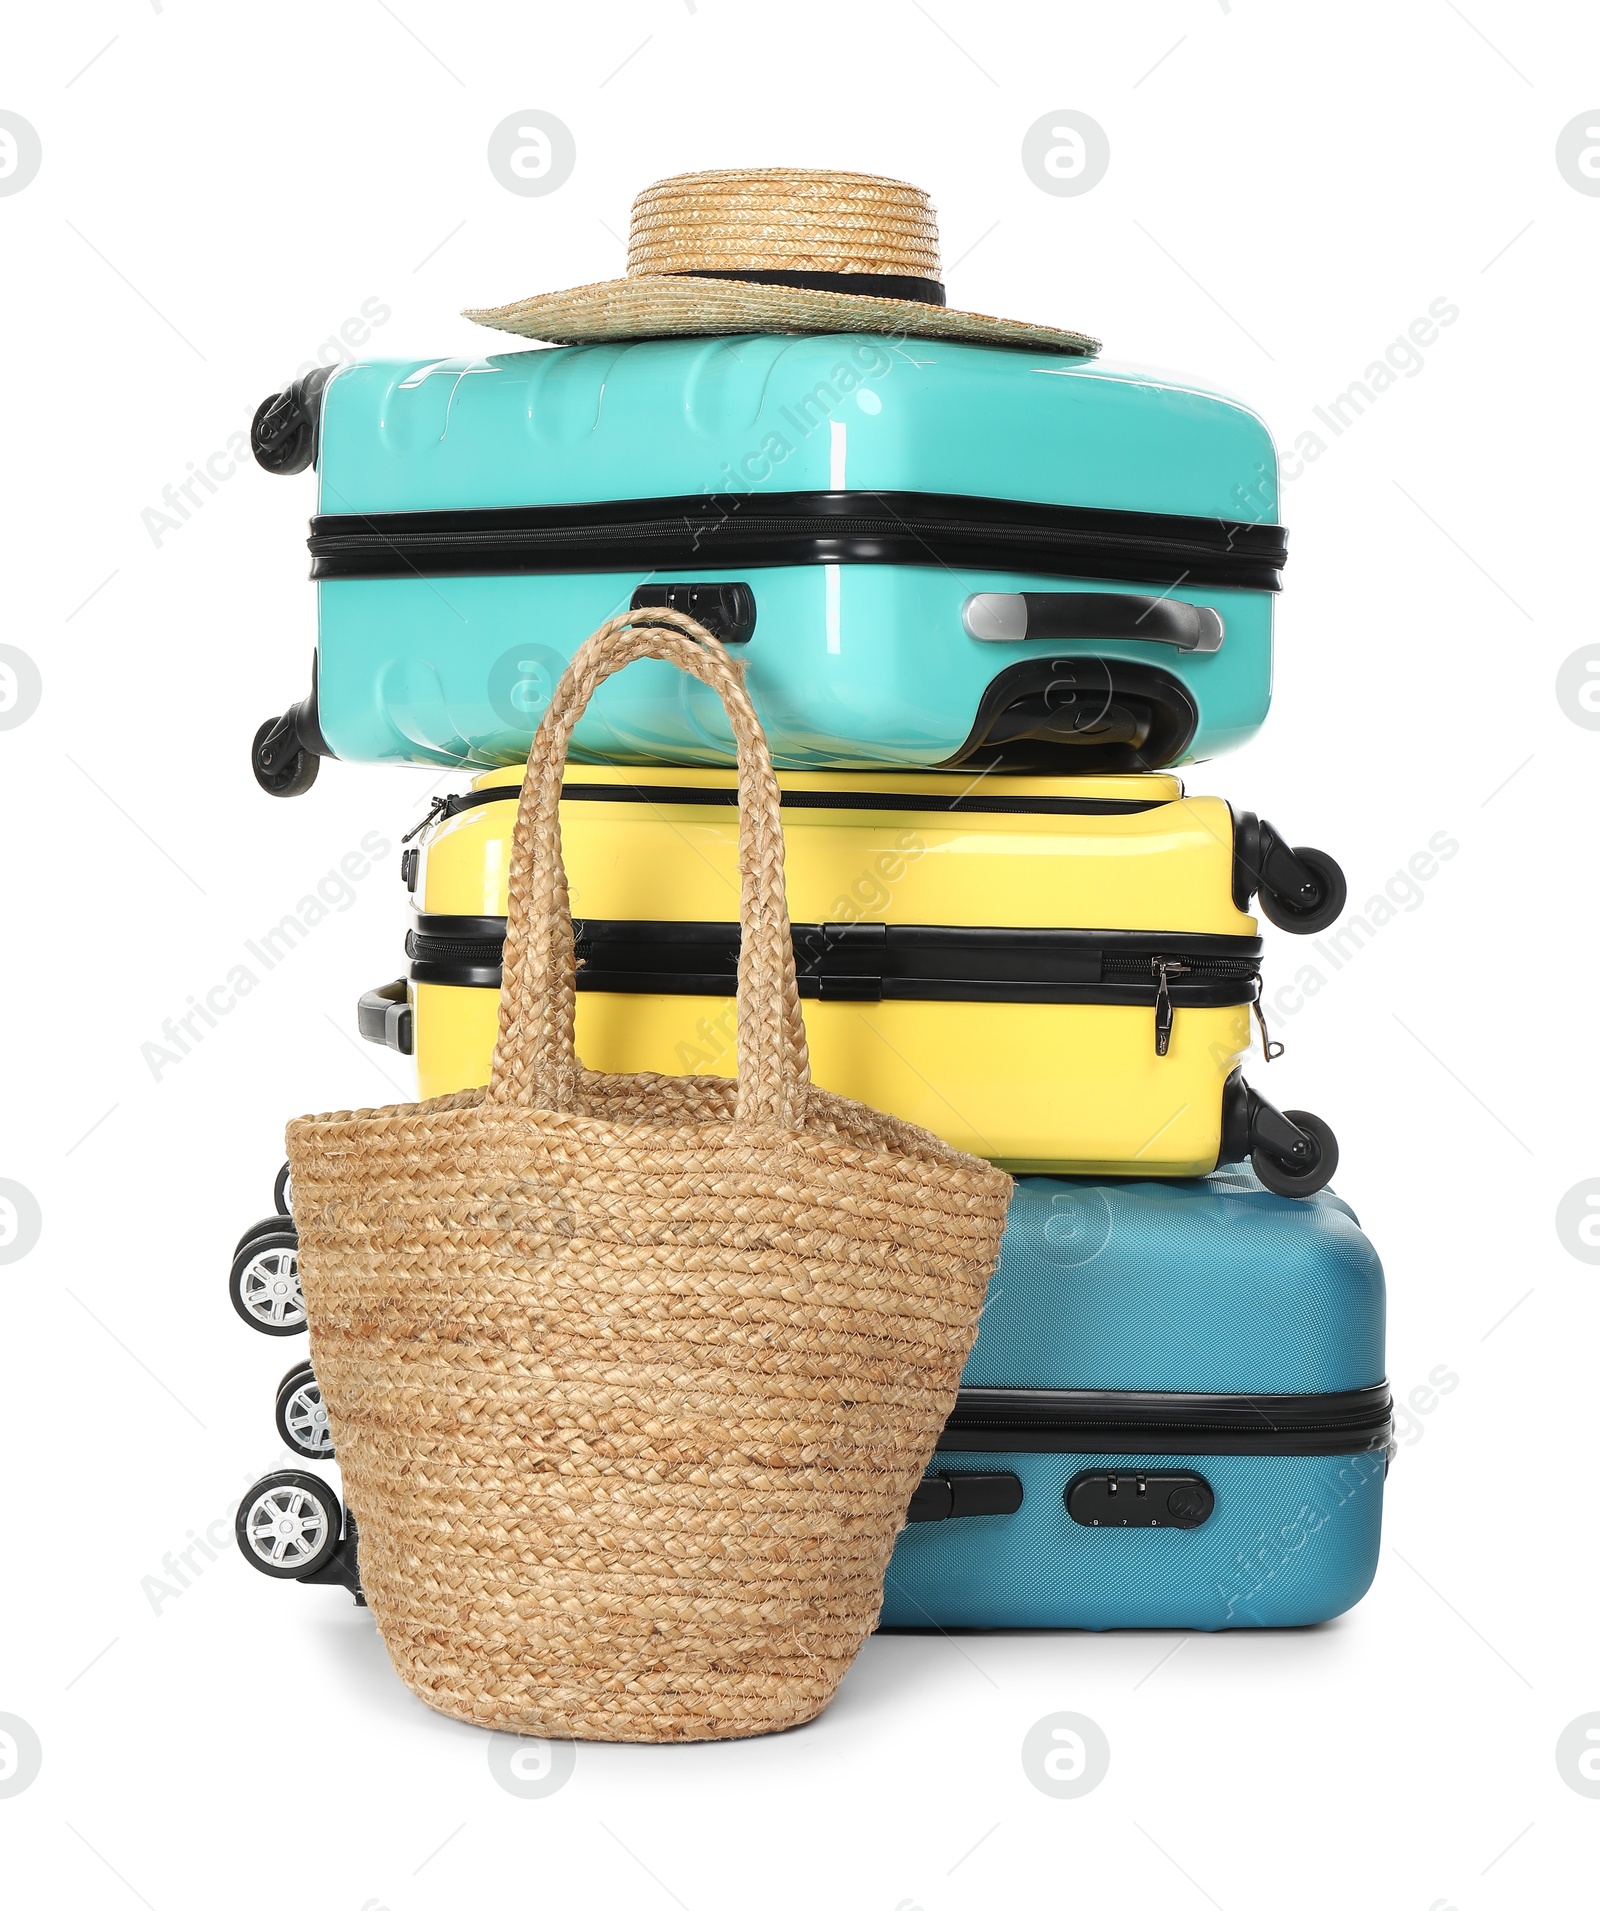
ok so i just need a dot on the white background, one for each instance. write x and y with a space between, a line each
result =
1289 188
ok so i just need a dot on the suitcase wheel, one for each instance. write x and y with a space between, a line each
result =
264 1281
279 771
287 425
1307 1169
257 1230
300 1416
287 1525
1317 901
282 1192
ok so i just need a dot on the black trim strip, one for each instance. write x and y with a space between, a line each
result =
463 929
872 285
868 961
752 530
911 803
1076 1420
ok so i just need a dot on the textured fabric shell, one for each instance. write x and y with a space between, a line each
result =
631 1377
629 1421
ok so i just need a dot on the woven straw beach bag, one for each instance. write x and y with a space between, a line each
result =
631 1377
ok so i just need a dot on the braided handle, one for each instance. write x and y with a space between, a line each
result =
535 1063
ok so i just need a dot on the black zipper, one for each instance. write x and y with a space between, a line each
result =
1163 970
874 962
750 530
912 803
1079 1420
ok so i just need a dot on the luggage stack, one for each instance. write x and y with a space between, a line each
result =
989 597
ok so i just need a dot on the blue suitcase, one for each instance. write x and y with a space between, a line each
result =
931 555
1175 1415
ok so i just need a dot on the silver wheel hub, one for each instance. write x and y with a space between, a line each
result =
286 1526
306 1419
270 1287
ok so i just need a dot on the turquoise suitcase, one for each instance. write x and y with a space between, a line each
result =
931 555
1176 1415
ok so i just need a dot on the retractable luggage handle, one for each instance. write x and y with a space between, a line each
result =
1009 617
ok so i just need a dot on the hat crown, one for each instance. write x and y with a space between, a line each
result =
783 219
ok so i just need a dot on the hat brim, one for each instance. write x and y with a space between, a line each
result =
673 305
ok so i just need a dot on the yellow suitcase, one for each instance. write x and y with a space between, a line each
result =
1057 973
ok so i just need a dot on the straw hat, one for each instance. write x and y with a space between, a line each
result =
773 249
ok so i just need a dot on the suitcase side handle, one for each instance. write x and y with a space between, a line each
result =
384 1016
956 1496
1009 617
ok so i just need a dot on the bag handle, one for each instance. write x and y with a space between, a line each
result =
535 1062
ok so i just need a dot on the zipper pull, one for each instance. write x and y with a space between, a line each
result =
437 807
1161 969
1270 1048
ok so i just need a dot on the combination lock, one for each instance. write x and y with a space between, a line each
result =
1139 1499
